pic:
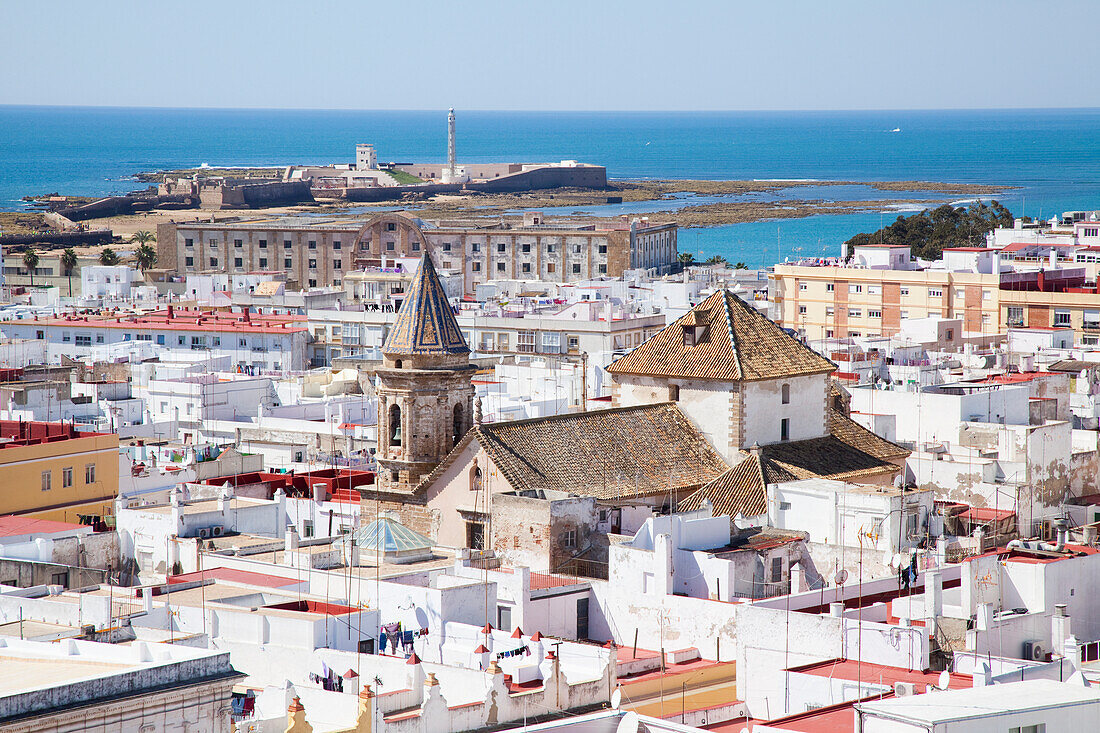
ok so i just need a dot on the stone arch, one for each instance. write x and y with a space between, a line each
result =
395 424
401 222
458 424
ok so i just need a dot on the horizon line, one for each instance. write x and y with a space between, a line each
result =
6 105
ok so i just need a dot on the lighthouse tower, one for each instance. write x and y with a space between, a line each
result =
451 141
451 172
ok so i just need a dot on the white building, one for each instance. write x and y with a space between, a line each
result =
1035 706
252 342
876 518
76 685
103 282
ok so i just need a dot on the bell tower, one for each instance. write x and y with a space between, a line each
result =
425 399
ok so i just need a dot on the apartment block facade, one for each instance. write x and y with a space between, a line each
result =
880 288
838 302
321 253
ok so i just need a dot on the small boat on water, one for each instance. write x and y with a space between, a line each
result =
896 129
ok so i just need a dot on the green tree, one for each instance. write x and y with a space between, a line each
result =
686 259
30 263
929 232
740 266
717 260
68 264
143 237
107 257
146 257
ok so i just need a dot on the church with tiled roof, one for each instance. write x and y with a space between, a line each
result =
717 405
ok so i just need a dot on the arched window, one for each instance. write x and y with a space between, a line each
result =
395 425
785 393
458 425
397 364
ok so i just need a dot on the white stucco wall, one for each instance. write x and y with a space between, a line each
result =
764 409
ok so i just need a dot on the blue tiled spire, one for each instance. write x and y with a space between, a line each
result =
425 325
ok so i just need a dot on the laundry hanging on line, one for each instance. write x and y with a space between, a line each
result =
514 652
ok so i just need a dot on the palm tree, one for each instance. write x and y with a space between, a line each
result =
30 263
143 237
740 266
717 260
686 259
107 257
146 257
68 263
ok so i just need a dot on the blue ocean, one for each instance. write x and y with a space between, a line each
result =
1052 157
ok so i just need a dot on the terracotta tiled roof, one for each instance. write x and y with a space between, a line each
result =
738 490
425 325
735 343
849 453
617 453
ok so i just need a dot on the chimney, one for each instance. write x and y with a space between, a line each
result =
1059 627
171 311
1041 281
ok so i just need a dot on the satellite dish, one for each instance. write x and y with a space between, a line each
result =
944 680
840 577
895 561
617 698
888 558
628 723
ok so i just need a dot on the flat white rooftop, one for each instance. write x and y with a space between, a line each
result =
983 702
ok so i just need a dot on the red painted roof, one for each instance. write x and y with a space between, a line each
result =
829 719
232 575
674 668
179 320
22 433
1011 378
850 669
1021 555
968 249
542 581
986 514
13 526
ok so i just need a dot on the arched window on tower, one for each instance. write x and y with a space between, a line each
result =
458 425
395 425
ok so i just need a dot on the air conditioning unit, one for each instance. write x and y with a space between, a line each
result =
204 533
216 531
904 689
1034 651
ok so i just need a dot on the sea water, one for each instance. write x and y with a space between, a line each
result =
1051 156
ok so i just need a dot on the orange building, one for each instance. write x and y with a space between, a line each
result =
52 471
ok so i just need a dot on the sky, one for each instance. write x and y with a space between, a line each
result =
559 55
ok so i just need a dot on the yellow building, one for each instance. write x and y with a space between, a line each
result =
52 471
839 301
1076 308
